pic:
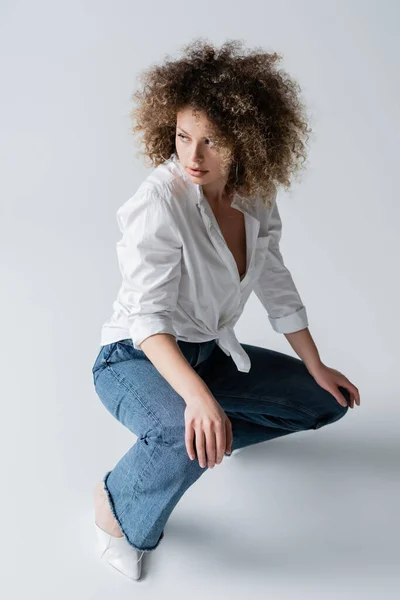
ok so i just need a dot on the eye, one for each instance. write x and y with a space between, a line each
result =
208 141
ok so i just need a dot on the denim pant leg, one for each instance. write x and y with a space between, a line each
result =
277 397
148 481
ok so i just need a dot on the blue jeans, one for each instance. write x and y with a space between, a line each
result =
277 397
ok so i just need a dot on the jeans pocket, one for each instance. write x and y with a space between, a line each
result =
101 360
123 350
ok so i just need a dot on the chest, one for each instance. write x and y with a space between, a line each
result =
232 225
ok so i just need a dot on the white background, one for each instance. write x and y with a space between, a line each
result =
310 515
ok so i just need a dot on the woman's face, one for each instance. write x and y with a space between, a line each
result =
195 149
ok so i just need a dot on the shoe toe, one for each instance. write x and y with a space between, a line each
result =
120 554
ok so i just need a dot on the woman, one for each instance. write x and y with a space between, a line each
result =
223 128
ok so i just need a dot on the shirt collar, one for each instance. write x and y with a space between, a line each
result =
200 198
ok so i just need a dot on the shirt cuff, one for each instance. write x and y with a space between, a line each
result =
145 326
290 323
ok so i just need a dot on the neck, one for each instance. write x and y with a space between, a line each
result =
217 196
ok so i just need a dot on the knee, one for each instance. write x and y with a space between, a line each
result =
336 410
168 437
340 412
167 444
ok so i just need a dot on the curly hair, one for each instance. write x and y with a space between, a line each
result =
258 121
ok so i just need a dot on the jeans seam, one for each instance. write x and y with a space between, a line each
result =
301 409
105 358
122 382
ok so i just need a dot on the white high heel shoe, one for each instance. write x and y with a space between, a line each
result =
120 554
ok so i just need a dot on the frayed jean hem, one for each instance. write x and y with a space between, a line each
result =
112 508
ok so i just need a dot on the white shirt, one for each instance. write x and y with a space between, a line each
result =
179 276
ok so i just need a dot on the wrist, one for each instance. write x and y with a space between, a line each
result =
314 366
197 393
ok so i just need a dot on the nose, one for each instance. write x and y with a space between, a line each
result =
196 156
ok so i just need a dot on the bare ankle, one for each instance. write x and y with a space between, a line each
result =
103 515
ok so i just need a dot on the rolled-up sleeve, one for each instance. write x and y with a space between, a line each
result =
275 287
149 257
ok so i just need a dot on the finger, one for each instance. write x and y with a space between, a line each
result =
189 437
339 397
210 445
354 394
229 437
201 454
350 400
220 435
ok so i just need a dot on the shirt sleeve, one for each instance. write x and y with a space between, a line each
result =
275 287
149 257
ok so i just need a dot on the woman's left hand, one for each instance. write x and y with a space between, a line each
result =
330 379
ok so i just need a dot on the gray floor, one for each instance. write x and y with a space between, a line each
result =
312 515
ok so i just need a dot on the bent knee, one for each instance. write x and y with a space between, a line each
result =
336 411
340 412
167 434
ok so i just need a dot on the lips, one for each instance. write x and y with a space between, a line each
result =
196 171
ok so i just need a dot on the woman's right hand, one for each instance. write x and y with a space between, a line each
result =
207 424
